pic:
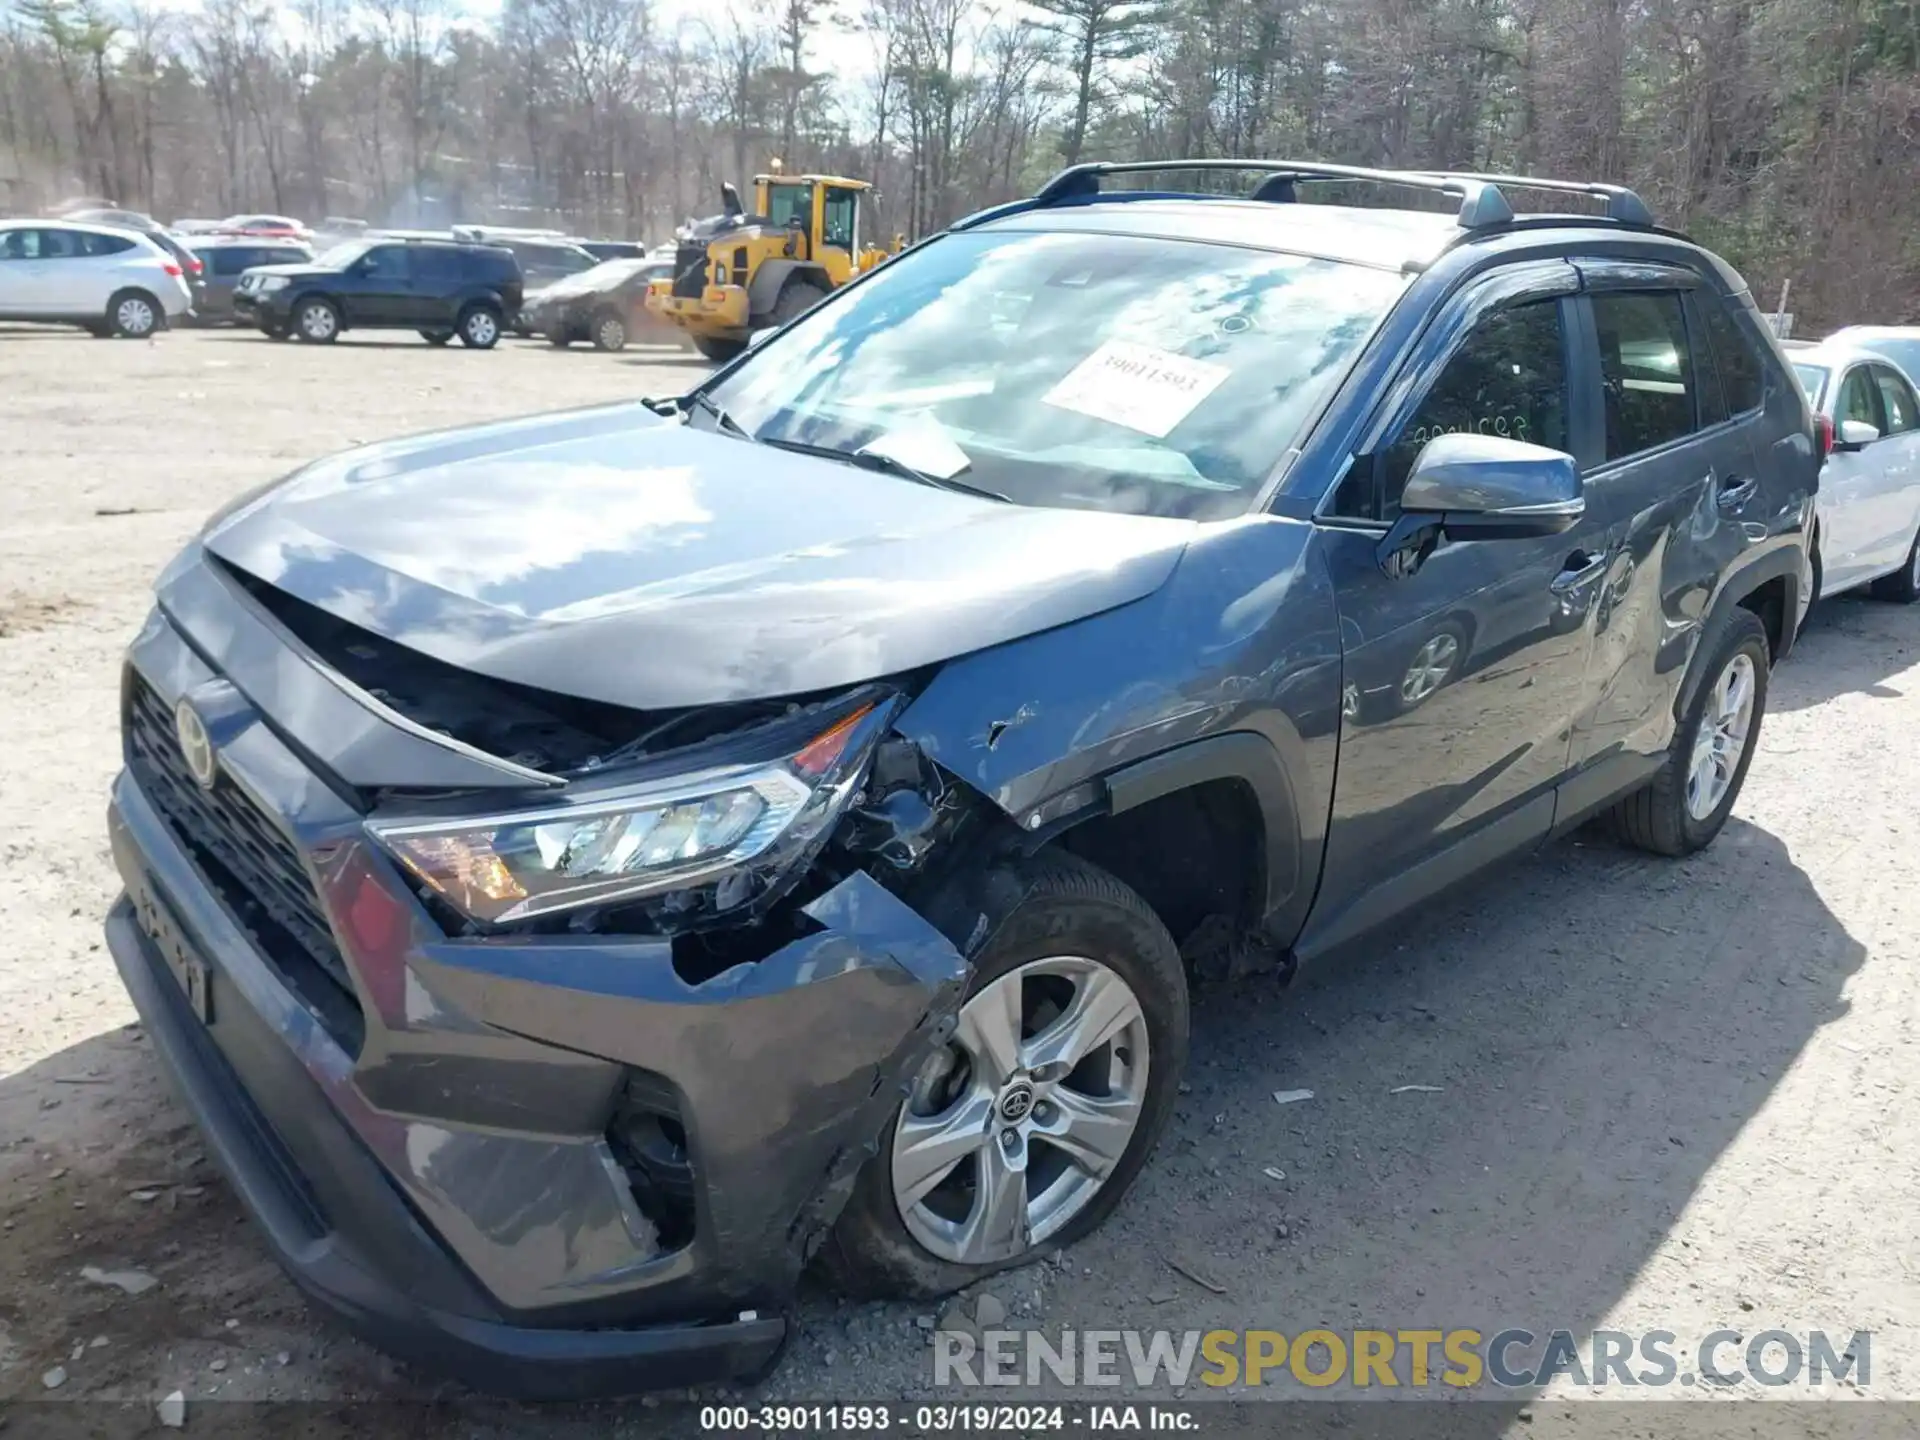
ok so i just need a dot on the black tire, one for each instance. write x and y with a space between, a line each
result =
1070 908
559 337
316 321
608 330
479 327
1655 817
715 349
795 299
134 314
276 332
436 337
1903 586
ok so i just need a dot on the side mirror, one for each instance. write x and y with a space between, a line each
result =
1854 434
1482 487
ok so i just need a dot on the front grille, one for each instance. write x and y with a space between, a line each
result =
248 861
690 271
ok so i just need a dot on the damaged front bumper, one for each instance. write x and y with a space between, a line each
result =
551 1165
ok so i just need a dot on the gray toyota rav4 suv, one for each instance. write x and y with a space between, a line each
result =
583 869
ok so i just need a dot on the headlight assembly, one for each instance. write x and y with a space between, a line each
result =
628 842
273 282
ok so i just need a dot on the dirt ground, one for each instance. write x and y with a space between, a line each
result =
1670 1096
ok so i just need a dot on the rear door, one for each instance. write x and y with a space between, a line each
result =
1675 478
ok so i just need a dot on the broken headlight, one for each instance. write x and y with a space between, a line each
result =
620 844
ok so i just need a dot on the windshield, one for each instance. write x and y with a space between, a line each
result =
1099 372
1903 351
604 276
1813 379
344 254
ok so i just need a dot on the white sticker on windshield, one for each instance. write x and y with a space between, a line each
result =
1136 386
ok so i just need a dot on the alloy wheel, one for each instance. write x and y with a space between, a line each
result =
1014 1129
1722 737
612 333
481 329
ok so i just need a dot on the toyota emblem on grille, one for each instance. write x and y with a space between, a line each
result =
196 746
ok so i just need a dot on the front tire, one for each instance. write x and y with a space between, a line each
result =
1687 802
133 314
479 327
316 322
436 337
1025 1131
609 331
1903 586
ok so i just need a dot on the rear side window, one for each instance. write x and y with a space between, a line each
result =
229 259
1509 377
92 244
435 262
491 264
1646 371
1896 400
1742 371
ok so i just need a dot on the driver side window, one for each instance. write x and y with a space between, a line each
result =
1860 400
1508 378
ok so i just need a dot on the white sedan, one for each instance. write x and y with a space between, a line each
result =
107 280
1868 528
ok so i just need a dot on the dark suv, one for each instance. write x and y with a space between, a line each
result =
582 869
439 288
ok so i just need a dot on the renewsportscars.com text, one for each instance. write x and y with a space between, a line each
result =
1460 1359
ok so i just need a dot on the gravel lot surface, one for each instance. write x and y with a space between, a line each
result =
1670 1096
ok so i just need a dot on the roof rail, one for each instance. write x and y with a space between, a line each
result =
1481 203
1623 205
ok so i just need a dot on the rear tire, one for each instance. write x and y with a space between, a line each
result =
1073 914
559 338
1903 586
479 327
1659 816
134 314
715 349
316 321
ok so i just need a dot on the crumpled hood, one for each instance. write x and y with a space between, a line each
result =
619 556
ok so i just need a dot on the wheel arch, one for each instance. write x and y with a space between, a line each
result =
771 278
1768 585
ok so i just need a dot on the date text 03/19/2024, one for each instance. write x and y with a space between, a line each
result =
986 1419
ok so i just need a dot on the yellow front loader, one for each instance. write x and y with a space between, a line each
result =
737 272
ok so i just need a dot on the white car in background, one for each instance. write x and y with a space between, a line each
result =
103 279
1869 504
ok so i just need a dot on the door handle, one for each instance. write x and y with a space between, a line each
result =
1579 570
1735 491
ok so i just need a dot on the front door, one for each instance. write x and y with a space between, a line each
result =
381 289
1463 680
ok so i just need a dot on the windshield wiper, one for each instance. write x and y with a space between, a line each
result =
875 460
